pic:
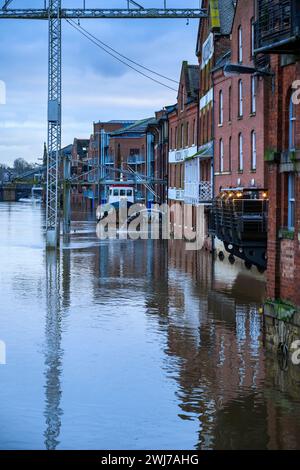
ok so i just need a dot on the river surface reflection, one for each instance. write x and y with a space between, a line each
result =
134 345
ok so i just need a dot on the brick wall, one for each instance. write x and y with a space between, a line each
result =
283 275
234 125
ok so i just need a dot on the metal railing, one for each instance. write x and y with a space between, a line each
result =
238 220
136 159
276 22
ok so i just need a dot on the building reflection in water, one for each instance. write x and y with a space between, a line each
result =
58 299
209 313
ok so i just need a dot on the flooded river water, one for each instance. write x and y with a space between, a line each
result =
134 345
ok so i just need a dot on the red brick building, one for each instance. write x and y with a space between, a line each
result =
130 149
239 140
159 148
278 34
183 127
212 43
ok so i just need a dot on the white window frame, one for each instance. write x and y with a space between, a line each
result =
240 44
292 124
253 151
221 108
241 152
182 97
253 94
221 155
291 201
241 110
182 136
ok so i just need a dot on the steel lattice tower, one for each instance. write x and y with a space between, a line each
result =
54 14
54 122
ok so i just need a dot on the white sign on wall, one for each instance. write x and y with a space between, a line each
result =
207 50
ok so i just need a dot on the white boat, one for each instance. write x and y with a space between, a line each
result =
117 195
31 200
36 196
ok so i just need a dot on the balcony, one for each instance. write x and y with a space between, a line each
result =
109 161
177 156
136 159
175 194
240 220
277 29
198 193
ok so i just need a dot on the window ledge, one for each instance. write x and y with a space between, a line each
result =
239 118
252 114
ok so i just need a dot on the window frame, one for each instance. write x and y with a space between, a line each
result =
253 94
253 151
240 44
221 108
292 125
291 202
221 155
241 152
240 99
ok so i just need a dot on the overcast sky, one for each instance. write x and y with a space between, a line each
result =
95 86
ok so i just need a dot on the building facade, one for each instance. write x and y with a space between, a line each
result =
183 182
213 42
239 140
131 151
157 151
277 34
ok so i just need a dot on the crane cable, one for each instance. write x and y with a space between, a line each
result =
103 46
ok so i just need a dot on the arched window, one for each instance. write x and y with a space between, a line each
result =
229 104
240 98
194 132
187 142
229 153
241 154
240 44
292 125
291 201
182 97
253 94
221 108
253 150
221 156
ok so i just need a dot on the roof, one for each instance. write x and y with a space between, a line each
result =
221 18
191 76
193 80
137 127
226 13
222 61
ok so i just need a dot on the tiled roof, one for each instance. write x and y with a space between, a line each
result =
192 80
137 127
226 12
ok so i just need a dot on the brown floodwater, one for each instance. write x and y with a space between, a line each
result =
121 344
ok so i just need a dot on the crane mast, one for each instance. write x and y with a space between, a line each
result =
54 14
